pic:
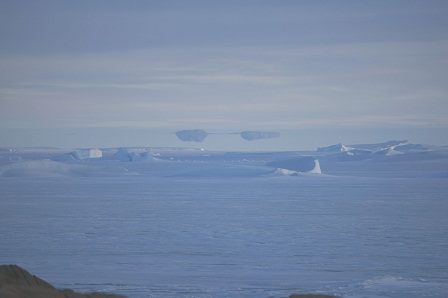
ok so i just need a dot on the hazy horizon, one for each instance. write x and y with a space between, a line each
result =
289 140
113 73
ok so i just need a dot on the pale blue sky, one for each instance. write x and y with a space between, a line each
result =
131 73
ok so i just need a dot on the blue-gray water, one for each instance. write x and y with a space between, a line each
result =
249 237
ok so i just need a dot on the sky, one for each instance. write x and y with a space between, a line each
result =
107 73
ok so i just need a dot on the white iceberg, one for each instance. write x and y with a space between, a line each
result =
125 155
295 165
86 153
335 148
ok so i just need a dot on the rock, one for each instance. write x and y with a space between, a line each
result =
16 282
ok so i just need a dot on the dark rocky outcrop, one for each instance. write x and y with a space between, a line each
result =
16 282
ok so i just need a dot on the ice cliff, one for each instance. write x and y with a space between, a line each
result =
295 165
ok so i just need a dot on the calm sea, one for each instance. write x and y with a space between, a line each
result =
248 237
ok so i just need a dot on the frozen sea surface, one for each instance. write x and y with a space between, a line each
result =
268 236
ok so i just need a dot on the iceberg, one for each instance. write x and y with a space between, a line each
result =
410 147
87 153
124 154
389 152
335 148
380 146
299 164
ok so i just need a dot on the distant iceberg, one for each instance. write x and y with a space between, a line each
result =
380 146
87 153
79 154
411 147
391 148
299 164
389 152
335 148
124 154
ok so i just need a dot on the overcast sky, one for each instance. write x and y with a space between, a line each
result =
131 73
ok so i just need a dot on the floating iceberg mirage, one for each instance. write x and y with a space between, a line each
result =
258 135
194 135
199 135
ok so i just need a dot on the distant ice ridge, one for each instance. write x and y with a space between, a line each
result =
244 172
87 153
171 162
387 148
389 152
43 167
51 168
80 154
335 148
295 165
126 155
